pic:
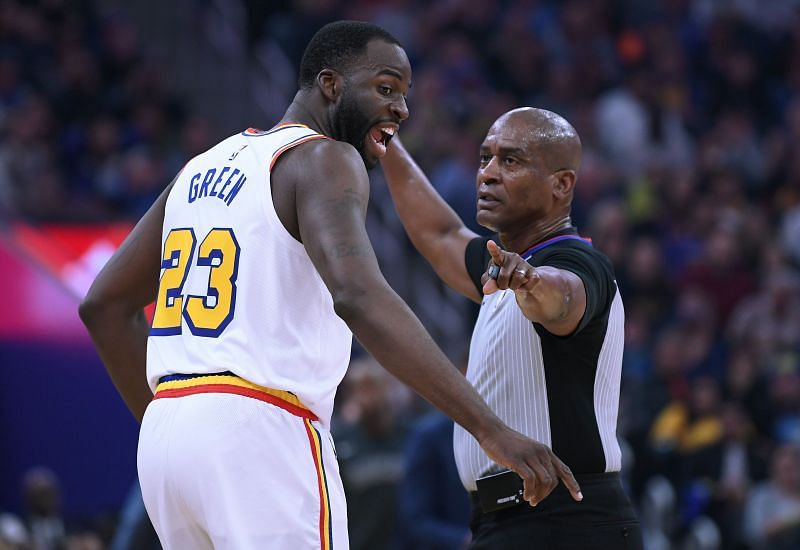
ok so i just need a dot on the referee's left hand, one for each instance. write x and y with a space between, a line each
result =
537 465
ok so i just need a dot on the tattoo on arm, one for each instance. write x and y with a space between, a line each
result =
345 202
565 306
340 207
349 250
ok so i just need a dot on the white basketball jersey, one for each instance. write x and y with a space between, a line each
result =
238 293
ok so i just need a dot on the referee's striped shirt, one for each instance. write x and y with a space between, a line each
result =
561 391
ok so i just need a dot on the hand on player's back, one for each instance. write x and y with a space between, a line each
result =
535 463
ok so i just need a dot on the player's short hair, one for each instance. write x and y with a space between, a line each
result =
336 46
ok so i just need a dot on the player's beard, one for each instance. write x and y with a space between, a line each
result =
351 125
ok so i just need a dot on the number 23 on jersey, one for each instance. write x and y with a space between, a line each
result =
206 315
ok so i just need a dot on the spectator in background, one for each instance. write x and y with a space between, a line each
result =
784 372
635 127
433 506
369 443
29 179
682 222
746 384
704 352
717 478
769 321
609 228
721 273
645 280
42 496
772 516
732 145
686 426
76 96
669 368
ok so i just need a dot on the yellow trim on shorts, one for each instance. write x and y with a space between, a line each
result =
325 528
229 381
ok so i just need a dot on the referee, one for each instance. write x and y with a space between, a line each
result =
546 350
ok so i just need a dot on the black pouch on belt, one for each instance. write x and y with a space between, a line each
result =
498 491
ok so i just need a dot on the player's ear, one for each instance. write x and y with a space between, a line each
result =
565 183
330 84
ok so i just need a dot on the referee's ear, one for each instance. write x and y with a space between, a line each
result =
565 184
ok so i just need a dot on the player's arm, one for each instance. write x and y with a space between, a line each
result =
555 298
435 229
332 192
113 309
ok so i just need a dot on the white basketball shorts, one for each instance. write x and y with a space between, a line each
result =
225 464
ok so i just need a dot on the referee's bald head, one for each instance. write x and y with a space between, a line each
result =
549 135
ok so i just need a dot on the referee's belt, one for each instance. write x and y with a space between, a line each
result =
178 385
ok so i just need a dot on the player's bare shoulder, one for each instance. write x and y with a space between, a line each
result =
324 160
319 170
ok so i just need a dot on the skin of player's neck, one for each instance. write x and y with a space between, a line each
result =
310 109
538 231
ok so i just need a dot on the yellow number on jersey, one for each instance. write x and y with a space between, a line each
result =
178 252
209 315
205 315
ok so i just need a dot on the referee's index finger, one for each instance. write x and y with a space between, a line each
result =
569 480
495 252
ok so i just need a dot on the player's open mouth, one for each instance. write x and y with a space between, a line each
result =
378 138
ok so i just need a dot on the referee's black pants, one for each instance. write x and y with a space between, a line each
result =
603 520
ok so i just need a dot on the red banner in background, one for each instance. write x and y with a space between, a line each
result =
45 270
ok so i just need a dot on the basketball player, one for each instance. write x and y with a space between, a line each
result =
259 263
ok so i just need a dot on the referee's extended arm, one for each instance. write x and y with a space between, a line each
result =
554 298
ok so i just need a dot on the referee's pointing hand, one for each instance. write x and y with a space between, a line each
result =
507 270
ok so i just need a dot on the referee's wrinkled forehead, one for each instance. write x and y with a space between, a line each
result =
541 133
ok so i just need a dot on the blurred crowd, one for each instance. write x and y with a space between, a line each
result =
90 129
689 113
